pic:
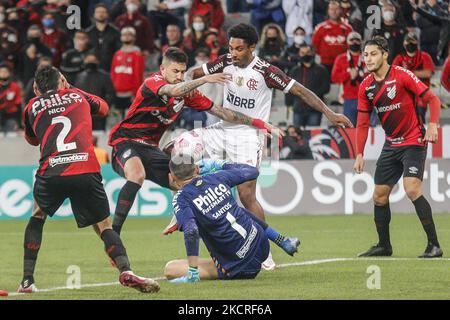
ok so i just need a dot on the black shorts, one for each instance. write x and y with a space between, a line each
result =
86 193
156 162
394 162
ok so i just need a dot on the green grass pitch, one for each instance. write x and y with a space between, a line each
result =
323 237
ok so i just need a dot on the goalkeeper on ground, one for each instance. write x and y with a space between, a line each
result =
204 207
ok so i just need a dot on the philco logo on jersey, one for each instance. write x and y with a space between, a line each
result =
68 158
211 198
55 100
388 108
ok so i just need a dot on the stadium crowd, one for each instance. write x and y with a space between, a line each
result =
121 42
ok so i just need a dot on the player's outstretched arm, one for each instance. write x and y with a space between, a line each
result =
434 104
314 102
240 118
183 88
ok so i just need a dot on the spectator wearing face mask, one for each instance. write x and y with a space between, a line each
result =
417 61
33 50
316 78
295 146
349 70
10 100
127 70
210 9
194 37
272 44
54 38
73 59
290 57
9 41
298 11
103 36
97 81
391 30
330 37
352 15
134 18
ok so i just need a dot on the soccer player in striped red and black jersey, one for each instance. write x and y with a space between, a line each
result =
158 103
59 121
392 92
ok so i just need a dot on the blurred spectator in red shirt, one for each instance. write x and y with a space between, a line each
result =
445 78
9 42
418 62
211 9
10 100
330 37
349 70
54 38
144 31
127 69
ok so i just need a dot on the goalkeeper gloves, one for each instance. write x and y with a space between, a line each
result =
210 166
192 277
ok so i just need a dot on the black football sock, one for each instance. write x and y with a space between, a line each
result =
124 204
115 249
32 244
382 219
425 215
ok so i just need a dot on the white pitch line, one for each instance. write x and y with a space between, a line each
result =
284 265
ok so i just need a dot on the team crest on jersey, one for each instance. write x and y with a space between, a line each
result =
240 81
391 92
252 84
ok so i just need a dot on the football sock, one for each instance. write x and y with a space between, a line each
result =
424 213
31 245
273 235
124 203
115 249
382 219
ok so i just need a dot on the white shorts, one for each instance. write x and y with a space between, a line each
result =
224 143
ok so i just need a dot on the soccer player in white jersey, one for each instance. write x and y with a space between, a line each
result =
250 93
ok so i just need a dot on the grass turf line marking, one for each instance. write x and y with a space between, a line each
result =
284 265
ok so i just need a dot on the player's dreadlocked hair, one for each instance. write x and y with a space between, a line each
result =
245 32
175 54
47 78
182 166
378 41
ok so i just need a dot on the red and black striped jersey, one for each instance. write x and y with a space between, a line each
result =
60 122
394 99
151 114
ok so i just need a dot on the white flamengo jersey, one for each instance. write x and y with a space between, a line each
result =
250 91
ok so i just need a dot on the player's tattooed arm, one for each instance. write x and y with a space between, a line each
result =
314 102
240 118
183 88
